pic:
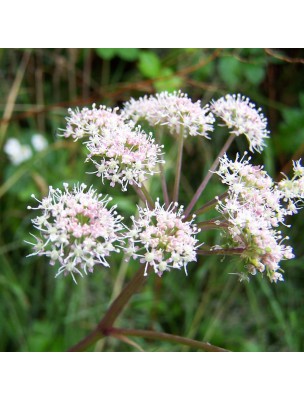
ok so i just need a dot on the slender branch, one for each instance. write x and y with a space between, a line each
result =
113 312
149 334
147 196
164 184
158 138
209 175
214 223
143 196
210 204
226 252
178 165
139 193
127 340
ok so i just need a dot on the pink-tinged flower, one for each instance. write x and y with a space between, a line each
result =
124 156
76 229
94 121
242 118
174 110
293 189
120 152
161 239
254 208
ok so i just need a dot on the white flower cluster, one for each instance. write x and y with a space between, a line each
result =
174 110
91 122
241 116
161 239
76 229
120 152
254 208
293 189
126 156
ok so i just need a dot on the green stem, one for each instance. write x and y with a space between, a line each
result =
214 223
209 175
226 252
113 312
164 184
210 204
158 138
178 165
167 337
147 196
144 196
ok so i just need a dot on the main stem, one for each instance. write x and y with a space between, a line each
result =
178 165
209 175
113 312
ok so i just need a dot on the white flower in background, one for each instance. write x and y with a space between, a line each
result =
76 229
174 110
39 142
242 118
160 238
17 152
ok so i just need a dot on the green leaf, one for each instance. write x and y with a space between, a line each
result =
230 71
255 52
128 54
254 73
149 64
106 54
171 83
205 72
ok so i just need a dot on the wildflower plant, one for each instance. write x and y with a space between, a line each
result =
78 230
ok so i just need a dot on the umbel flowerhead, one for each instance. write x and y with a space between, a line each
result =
255 207
174 110
76 229
161 239
241 116
121 153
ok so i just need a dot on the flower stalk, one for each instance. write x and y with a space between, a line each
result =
225 252
207 178
178 165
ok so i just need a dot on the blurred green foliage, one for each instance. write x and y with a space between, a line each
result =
39 313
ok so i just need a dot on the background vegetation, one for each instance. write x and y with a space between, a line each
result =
39 313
